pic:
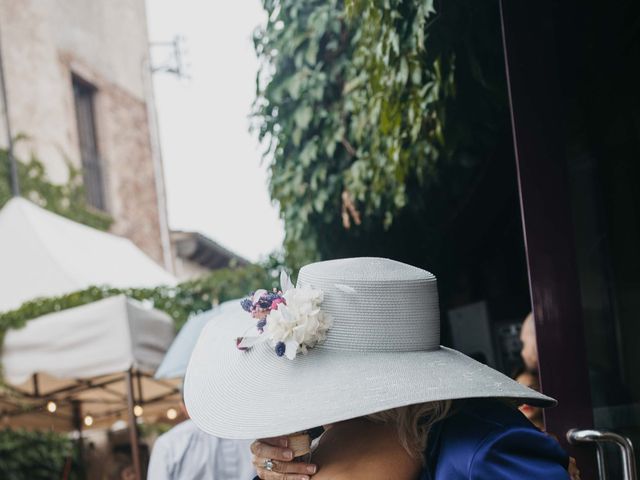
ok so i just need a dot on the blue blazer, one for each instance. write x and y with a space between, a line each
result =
488 440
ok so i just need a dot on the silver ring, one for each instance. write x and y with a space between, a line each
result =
268 464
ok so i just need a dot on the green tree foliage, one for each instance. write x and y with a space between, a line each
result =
376 113
28 455
66 199
395 98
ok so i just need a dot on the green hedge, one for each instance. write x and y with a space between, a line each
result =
180 302
28 455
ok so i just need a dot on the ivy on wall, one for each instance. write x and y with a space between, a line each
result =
66 199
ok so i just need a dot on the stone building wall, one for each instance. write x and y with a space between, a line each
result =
105 43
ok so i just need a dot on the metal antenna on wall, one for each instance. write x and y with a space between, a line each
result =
173 62
15 184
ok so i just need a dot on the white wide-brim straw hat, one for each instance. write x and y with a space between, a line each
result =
382 351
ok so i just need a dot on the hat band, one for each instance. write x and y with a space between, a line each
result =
410 340
395 317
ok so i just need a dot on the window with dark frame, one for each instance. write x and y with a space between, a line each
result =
84 93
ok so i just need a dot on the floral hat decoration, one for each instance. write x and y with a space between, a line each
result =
290 319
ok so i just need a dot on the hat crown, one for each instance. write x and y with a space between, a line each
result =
376 304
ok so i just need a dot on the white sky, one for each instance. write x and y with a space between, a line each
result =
215 182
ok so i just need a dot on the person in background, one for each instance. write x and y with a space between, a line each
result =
187 453
534 414
528 376
529 350
606 387
127 473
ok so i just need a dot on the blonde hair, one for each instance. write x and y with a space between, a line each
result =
413 423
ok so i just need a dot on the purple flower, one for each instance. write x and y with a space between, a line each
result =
267 299
280 348
261 324
247 304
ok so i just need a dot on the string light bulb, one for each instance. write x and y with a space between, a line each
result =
88 420
51 406
172 414
138 410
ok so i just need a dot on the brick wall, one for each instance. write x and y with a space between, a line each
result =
105 43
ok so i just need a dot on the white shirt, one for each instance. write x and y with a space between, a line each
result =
187 453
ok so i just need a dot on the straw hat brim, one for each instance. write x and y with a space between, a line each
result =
256 394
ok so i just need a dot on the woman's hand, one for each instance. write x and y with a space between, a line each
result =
275 449
574 473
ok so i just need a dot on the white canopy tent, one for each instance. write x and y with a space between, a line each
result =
104 337
43 254
95 361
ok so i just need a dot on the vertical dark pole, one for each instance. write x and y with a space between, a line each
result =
76 412
536 114
133 427
36 387
15 184
139 382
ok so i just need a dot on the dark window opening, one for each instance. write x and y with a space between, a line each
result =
83 94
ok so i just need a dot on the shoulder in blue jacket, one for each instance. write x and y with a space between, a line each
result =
488 440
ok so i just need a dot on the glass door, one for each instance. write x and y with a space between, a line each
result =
573 72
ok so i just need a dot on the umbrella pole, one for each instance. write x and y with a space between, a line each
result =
36 387
77 425
133 427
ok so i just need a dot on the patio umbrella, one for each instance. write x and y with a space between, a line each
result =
174 364
92 362
43 254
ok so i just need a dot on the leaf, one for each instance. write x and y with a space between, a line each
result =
403 74
296 137
303 116
330 148
293 86
309 153
311 55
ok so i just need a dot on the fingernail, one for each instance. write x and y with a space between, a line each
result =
311 469
288 455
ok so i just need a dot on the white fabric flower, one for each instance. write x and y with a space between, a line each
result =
301 323
291 327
